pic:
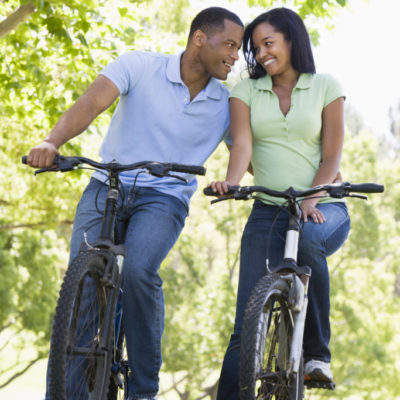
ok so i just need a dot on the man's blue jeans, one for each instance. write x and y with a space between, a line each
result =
149 223
317 241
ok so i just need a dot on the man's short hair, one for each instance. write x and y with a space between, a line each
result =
212 19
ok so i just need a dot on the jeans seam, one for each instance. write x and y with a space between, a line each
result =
337 228
158 333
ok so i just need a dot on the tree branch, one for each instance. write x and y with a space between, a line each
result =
11 337
18 374
16 18
36 225
210 391
161 394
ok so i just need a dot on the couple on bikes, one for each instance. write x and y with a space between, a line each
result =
284 122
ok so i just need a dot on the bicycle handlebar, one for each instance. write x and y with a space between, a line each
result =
336 190
65 163
367 188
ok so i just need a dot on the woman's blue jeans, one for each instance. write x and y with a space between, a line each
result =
317 241
149 223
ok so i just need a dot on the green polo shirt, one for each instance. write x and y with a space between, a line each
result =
287 149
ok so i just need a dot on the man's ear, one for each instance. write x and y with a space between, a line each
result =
199 38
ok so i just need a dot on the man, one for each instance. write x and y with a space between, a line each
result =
171 109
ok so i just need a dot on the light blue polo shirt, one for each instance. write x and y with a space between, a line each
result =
155 120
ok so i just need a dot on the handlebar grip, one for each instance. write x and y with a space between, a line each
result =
209 192
57 159
231 191
367 188
189 169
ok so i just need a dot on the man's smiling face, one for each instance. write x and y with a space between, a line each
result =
221 50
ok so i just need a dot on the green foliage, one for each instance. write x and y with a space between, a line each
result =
311 11
363 282
28 291
46 63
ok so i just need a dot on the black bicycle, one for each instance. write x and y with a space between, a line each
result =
271 349
87 351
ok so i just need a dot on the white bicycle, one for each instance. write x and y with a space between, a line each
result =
271 350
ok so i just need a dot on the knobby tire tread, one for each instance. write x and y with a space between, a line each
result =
254 308
60 331
250 332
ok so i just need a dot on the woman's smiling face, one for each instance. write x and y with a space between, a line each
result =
272 49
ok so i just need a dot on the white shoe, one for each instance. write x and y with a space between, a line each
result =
316 370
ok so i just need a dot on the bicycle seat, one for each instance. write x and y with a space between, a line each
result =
289 265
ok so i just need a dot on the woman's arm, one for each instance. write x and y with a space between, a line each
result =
241 150
332 137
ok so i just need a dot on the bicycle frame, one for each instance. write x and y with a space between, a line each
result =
106 240
298 283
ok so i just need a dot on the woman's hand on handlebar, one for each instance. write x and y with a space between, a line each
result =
221 187
42 156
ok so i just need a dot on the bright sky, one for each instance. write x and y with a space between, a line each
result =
362 52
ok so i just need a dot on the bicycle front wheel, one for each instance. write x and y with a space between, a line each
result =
265 345
81 343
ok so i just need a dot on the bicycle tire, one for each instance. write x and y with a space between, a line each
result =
265 345
79 366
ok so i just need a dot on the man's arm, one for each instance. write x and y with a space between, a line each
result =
97 98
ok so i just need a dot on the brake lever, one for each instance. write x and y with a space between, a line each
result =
50 169
222 198
359 196
242 196
181 178
156 169
61 164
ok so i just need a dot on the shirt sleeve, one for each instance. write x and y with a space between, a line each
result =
333 90
242 91
228 137
126 70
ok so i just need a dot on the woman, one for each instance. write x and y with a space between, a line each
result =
287 124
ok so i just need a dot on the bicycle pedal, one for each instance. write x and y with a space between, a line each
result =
118 379
313 384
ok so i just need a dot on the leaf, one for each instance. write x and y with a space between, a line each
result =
82 39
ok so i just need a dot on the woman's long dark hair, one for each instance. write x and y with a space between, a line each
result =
292 27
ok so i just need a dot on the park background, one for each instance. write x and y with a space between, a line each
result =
52 50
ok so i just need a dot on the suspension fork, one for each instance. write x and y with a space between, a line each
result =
292 232
299 285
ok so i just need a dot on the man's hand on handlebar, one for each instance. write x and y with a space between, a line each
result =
42 156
